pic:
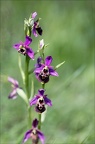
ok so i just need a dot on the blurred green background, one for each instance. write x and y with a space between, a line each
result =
68 27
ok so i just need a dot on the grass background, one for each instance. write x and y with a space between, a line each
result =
68 27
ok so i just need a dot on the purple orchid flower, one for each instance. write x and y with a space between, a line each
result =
36 28
40 100
43 71
15 85
34 133
23 47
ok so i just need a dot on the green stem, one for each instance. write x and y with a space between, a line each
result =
43 57
27 87
39 126
29 116
43 85
27 76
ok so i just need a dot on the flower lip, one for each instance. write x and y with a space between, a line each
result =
39 30
44 74
43 78
40 109
40 105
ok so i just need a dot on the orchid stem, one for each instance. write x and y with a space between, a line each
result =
27 77
39 126
43 85
27 87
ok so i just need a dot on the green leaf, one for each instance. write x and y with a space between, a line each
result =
43 115
59 65
21 70
22 94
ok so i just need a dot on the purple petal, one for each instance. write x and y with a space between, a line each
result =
38 64
38 70
33 101
35 123
39 59
41 92
53 72
30 53
13 94
16 46
27 135
34 31
28 41
34 15
41 136
48 60
47 101
13 81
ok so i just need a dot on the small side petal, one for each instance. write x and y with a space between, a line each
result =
33 101
47 101
41 92
53 72
38 70
28 40
41 136
35 123
34 15
30 53
48 60
27 135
